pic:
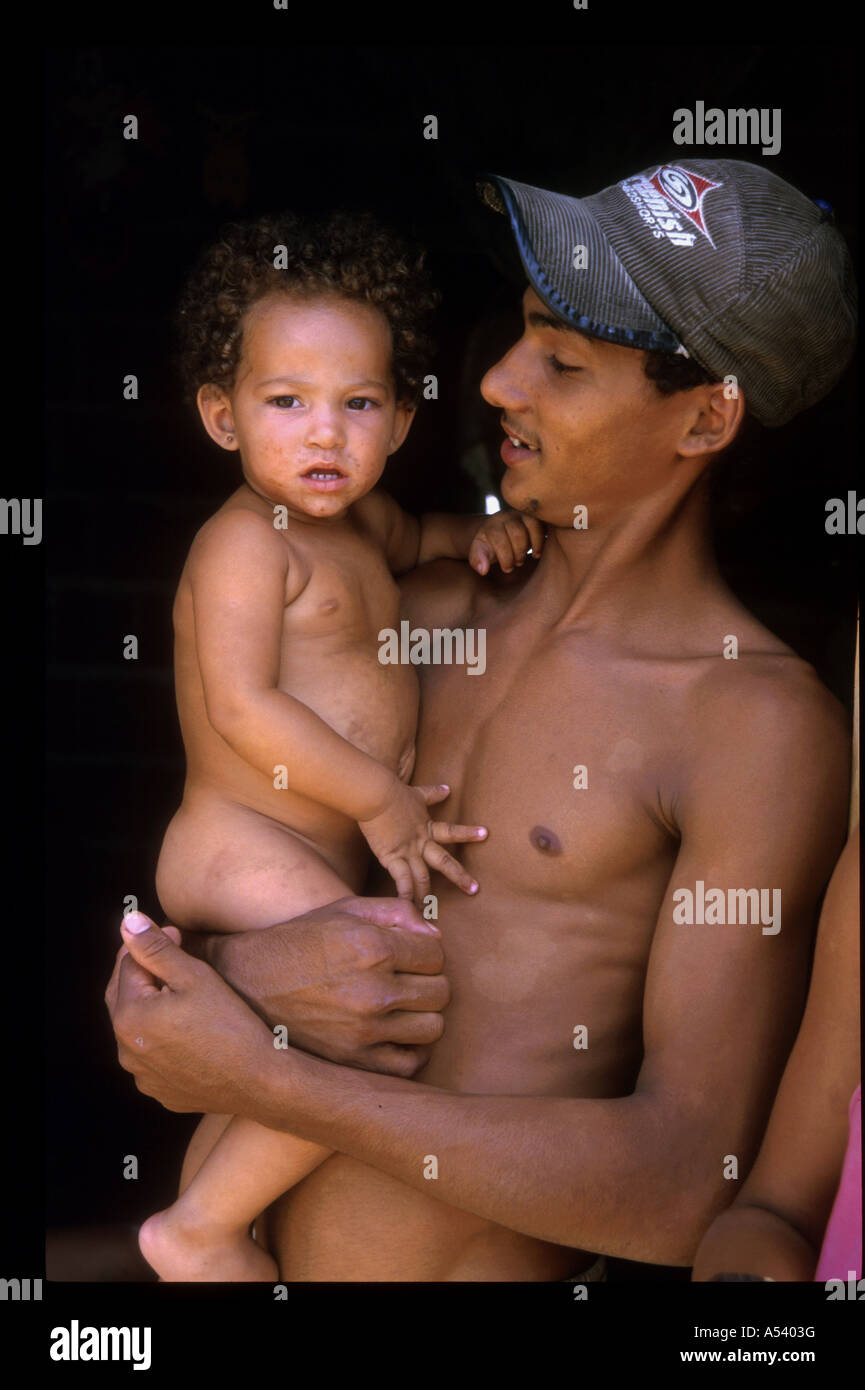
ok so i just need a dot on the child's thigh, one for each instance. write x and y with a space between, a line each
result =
226 868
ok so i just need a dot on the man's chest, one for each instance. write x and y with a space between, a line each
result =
566 752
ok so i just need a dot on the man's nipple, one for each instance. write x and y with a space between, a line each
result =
544 840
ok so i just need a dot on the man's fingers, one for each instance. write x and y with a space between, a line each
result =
397 1061
438 858
444 833
423 994
413 1028
388 912
416 953
154 951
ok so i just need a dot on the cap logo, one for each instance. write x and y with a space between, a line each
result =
686 192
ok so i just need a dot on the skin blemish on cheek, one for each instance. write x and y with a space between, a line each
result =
533 504
544 840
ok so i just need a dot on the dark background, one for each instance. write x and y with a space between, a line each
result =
233 132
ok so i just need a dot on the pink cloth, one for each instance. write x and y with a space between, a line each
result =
842 1243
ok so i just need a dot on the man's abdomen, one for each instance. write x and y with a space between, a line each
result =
348 1221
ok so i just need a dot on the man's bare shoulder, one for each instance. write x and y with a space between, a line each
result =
765 719
439 593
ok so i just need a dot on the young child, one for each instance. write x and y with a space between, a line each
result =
304 345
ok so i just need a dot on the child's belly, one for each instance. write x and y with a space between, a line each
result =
373 707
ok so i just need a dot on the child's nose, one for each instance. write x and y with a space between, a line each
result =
325 429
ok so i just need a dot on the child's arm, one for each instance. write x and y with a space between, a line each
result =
238 568
504 537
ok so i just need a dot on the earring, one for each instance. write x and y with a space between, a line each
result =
229 438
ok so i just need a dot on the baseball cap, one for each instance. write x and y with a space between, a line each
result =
717 259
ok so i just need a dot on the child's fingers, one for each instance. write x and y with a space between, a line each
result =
536 534
420 874
518 536
481 555
438 858
432 795
504 551
446 834
402 877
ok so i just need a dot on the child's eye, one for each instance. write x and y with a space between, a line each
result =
558 366
278 400
361 401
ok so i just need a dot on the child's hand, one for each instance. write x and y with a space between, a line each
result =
405 840
505 537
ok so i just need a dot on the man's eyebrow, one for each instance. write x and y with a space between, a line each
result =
538 319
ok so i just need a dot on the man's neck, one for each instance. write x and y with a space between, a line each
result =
646 562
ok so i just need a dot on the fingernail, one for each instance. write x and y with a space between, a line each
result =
135 922
473 887
482 833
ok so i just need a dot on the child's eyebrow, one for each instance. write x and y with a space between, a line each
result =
302 381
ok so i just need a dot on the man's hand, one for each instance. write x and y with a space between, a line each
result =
189 1041
358 982
504 538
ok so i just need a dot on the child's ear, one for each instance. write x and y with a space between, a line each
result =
405 413
214 407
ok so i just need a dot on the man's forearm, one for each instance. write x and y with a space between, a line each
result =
611 1176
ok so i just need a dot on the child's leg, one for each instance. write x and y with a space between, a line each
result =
226 867
205 1234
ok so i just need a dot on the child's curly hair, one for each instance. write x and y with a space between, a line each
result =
353 256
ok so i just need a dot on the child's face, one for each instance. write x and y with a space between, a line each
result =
313 409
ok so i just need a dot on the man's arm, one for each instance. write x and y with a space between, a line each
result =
639 1176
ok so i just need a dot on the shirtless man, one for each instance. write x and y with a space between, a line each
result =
600 1054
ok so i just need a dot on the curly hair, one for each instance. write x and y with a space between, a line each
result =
352 256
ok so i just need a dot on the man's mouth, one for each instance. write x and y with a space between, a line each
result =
515 449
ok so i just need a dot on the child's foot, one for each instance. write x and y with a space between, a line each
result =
183 1251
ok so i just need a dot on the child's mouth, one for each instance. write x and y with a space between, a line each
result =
324 479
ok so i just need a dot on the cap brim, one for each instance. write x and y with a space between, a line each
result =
572 267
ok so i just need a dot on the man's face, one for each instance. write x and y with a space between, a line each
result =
313 405
591 429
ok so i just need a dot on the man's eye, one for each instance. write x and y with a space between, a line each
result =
558 366
361 401
280 400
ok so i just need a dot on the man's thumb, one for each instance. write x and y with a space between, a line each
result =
153 948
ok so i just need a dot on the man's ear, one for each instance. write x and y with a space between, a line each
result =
405 413
719 411
214 407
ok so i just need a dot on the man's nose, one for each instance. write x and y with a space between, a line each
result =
504 385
